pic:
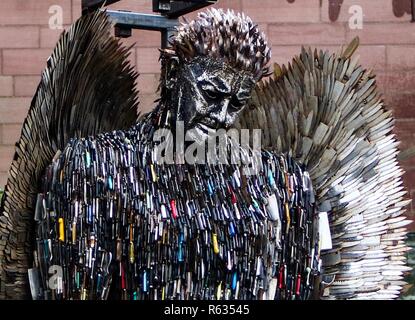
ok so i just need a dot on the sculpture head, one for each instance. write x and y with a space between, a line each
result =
212 67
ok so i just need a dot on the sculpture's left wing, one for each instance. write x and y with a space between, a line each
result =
324 110
88 87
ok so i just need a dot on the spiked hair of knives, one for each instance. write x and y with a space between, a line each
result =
224 35
324 109
87 88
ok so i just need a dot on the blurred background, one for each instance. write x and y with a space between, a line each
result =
387 35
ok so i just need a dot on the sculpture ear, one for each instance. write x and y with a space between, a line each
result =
172 66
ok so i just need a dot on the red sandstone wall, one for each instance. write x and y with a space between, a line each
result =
387 38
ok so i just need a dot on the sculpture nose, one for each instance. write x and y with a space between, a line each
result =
221 113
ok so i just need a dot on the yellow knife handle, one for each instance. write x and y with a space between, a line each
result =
61 230
287 214
132 252
215 243
219 291
73 232
153 173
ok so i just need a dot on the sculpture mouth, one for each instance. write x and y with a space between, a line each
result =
206 129
201 132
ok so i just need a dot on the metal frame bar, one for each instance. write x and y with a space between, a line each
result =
141 20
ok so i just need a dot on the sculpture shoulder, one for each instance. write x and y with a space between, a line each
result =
97 161
102 146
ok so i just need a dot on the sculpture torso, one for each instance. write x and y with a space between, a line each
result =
110 214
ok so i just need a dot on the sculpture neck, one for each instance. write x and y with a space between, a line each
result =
163 116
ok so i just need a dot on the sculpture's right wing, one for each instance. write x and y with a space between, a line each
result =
88 87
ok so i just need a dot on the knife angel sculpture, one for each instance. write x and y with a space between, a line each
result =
89 213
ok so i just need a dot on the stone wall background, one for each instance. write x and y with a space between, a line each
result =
387 46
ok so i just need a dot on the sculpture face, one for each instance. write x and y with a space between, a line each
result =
210 94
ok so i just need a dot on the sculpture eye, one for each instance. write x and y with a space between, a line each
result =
212 94
237 104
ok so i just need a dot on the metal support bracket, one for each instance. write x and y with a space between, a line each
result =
165 23
125 21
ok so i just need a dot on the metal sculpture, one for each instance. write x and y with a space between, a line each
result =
105 219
